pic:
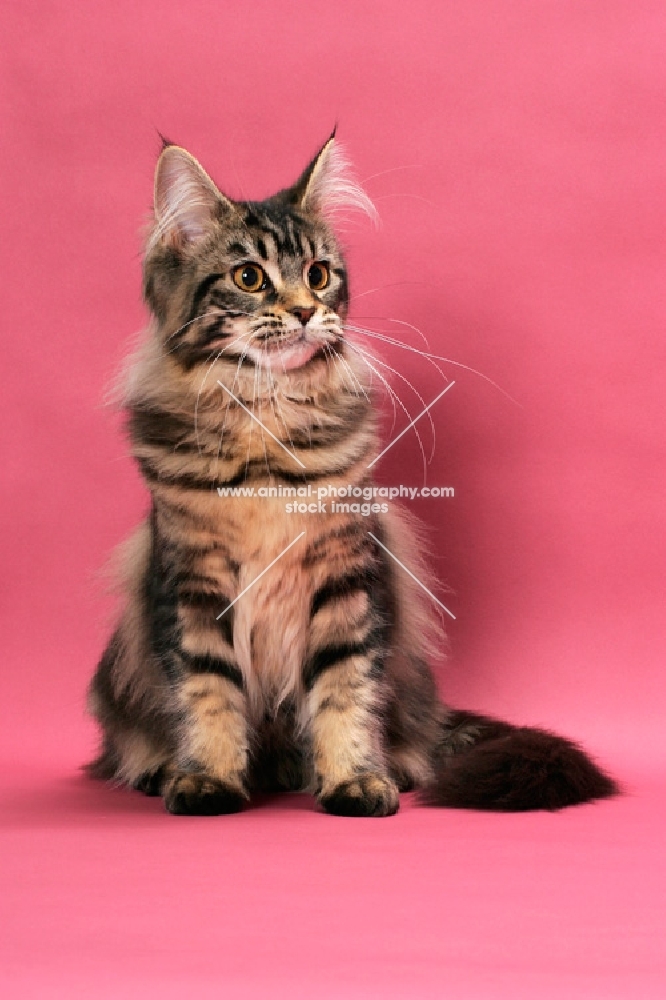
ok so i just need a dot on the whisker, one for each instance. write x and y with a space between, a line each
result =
402 322
341 359
203 382
381 288
426 354
383 364
253 422
333 356
210 312
430 360
215 311
264 395
258 377
196 405
374 372
275 405
227 409
392 393
282 417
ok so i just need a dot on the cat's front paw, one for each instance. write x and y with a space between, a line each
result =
201 795
365 795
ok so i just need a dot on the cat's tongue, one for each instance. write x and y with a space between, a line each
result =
290 357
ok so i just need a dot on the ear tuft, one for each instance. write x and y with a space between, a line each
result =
185 199
328 187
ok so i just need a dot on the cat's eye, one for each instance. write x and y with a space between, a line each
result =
318 276
250 277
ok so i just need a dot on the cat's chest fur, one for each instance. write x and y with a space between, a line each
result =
271 603
270 629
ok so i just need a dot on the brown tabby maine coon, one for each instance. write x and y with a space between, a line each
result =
262 648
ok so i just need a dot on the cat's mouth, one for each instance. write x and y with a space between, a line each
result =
281 356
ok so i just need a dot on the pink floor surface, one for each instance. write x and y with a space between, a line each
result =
516 154
104 896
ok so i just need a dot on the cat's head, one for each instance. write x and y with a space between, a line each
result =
262 284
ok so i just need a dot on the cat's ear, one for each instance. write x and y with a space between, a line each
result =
327 185
186 201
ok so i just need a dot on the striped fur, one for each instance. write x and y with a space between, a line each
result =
316 677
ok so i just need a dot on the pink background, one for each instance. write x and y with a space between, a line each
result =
516 153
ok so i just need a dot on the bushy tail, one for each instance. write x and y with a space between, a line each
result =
488 764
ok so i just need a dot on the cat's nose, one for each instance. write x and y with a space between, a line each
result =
303 314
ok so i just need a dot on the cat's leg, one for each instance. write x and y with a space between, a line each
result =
212 756
144 762
186 739
185 587
127 699
346 694
350 769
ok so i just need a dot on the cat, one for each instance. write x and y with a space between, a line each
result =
260 650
